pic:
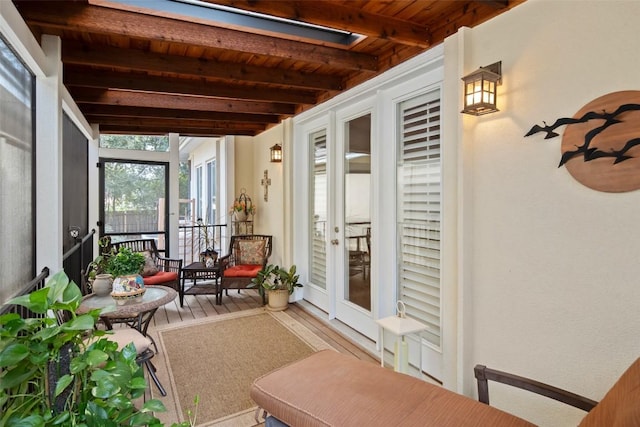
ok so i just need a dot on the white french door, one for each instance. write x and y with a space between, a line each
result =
352 212
339 227
372 235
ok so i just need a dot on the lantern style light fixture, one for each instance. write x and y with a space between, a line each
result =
480 90
276 153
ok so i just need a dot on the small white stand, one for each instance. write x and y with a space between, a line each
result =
400 326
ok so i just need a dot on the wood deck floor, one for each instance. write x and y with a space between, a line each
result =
199 306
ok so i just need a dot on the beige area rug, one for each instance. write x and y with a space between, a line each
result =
218 358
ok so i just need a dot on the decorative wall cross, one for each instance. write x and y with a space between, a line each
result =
266 182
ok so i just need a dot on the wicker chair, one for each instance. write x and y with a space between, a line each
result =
169 269
248 254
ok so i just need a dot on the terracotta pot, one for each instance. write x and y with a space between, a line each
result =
278 299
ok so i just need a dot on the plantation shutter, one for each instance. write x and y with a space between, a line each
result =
419 193
318 267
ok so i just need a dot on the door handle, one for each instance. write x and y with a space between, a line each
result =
335 242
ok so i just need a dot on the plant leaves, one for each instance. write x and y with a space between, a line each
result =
57 284
129 352
105 389
72 295
142 419
122 403
109 380
9 317
97 415
62 384
12 354
96 357
28 421
153 405
81 323
139 383
36 301
16 376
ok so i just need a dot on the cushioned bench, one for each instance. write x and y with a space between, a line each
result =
332 389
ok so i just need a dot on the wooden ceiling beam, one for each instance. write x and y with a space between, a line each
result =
468 15
345 18
96 110
108 21
498 4
134 59
179 102
177 123
120 80
161 130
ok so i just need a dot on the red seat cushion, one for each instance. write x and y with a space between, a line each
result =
160 277
242 270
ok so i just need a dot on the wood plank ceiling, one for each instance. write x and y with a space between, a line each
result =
134 70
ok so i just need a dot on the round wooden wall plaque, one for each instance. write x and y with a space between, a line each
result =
610 160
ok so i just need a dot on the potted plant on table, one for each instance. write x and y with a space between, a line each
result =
125 266
208 256
278 283
99 279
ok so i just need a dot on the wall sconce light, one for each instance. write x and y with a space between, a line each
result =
276 153
480 90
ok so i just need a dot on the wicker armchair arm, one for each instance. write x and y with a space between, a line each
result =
225 261
484 374
169 264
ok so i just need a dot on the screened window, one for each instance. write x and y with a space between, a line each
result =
17 181
419 212
135 142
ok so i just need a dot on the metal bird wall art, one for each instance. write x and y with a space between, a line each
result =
600 144
589 153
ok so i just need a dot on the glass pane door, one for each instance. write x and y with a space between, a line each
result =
357 211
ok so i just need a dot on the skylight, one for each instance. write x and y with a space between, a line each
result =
237 17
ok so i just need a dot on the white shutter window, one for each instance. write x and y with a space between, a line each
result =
318 250
419 213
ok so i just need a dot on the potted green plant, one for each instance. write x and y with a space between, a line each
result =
208 256
125 266
98 277
278 283
66 373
